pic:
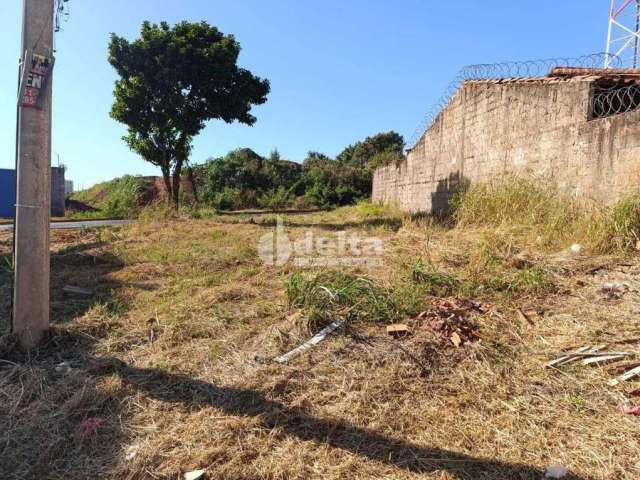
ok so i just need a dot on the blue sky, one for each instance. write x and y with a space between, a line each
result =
339 70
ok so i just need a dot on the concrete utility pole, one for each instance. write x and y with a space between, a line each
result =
31 292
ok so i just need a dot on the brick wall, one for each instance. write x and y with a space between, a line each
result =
537 126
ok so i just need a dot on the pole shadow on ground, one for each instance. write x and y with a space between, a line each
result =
194 393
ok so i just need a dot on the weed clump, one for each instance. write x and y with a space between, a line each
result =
157 211
516 201
618 229
436 282
553 218
332 295
367 209
498 267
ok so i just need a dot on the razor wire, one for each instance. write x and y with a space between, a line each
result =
507 70
615 100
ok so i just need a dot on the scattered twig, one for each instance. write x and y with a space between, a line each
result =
604 358
524 316
573 356
626 376
588 354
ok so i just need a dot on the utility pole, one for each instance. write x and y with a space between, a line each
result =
32 269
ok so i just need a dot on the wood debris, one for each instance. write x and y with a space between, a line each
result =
194 475
71 290
317 338
573 356
622 367
606 357
634 372
591 355
634 393
614 290
523 316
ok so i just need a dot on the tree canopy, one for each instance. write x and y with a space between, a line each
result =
361 154
244 179
172 81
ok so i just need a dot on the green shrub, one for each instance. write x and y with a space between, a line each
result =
118 198
274 199
272 182
230 199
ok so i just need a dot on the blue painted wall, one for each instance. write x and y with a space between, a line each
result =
7 193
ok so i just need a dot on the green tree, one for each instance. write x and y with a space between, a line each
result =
241 168
327 182
361 153
172 81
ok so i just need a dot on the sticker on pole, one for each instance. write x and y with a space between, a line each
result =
35 81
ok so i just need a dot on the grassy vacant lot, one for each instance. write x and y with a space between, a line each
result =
170 365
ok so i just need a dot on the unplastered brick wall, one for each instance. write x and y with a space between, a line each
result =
492 129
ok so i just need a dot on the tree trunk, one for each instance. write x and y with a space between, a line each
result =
176 183
194 187
166 176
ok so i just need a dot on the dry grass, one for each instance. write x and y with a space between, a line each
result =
174 357
552 218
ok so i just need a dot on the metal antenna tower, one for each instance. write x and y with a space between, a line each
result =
61 14
623 37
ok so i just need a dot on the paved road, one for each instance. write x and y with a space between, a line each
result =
79 224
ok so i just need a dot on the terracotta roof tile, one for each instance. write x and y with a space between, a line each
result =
570 74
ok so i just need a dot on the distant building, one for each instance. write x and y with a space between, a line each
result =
68 187
8 192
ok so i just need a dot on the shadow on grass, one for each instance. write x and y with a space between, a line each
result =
393 224
444 219
86 265
41 427
47 415
193 393
285 211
